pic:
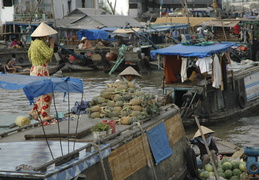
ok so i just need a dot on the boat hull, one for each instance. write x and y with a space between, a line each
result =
125 154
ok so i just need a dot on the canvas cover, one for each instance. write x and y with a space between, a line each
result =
93 34
193 50
34 86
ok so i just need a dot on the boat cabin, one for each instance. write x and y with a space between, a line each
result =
200 81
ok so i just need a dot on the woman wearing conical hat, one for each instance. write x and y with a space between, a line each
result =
197 140
130 75
40 54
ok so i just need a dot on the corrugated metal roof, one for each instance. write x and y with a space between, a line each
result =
88 11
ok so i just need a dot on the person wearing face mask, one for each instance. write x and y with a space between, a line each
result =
40 54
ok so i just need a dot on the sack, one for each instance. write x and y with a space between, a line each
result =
80 108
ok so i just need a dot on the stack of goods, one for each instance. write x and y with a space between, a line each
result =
124 102
227 169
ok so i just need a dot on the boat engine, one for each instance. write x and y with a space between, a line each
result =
252 164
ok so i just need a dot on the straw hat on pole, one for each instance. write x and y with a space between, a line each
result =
204 129
43 30
129 71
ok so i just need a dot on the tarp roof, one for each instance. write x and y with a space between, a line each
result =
34 86
93 34
193 51
194 21
92 21
223 23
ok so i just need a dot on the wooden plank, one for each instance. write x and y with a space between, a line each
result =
174 129
129 158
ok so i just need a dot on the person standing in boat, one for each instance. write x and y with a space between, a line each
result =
40 54
197 140
129 75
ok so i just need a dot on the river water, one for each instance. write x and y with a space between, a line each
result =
242 132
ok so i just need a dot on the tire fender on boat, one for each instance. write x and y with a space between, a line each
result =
191 162
241 100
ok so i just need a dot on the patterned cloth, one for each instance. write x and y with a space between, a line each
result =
42 106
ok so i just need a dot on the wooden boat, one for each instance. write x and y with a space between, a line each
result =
143 150
52 70
235 96
20 54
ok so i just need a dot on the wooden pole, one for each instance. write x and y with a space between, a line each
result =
207 148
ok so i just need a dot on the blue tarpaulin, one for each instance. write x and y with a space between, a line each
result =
34 86
93 34
193 50
158 142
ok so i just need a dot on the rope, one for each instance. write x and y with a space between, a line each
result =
150 164
77 122
55 107
97 147
68 122
43 129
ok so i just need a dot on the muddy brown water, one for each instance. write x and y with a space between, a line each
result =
242 132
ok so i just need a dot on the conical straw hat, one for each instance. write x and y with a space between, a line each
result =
43 30
129 71
204 129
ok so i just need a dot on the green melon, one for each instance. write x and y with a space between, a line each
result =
234 178
237 172
204 174
228 173
226 166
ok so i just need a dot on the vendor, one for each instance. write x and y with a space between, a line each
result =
197 140
85 43
129 75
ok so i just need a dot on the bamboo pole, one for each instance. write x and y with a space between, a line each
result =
207 148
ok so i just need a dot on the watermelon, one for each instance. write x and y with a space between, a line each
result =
237 172
226 166
228 173
204 174
211 174
208 167
221 174
234 178
235 164
220 170
224 160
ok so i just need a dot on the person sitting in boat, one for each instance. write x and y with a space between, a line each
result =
10 66
13 43
100 42
85 43
129 75
198 140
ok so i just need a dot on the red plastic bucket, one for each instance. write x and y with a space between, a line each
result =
111 123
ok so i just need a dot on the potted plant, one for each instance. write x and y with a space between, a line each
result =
100 130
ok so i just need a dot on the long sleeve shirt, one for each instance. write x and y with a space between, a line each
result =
199 142
39 52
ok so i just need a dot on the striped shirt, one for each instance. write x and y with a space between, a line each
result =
39 52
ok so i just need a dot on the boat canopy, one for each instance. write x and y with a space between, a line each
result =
93 34
193 50
34 86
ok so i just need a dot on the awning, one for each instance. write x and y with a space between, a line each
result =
193 51
223 23
34 86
